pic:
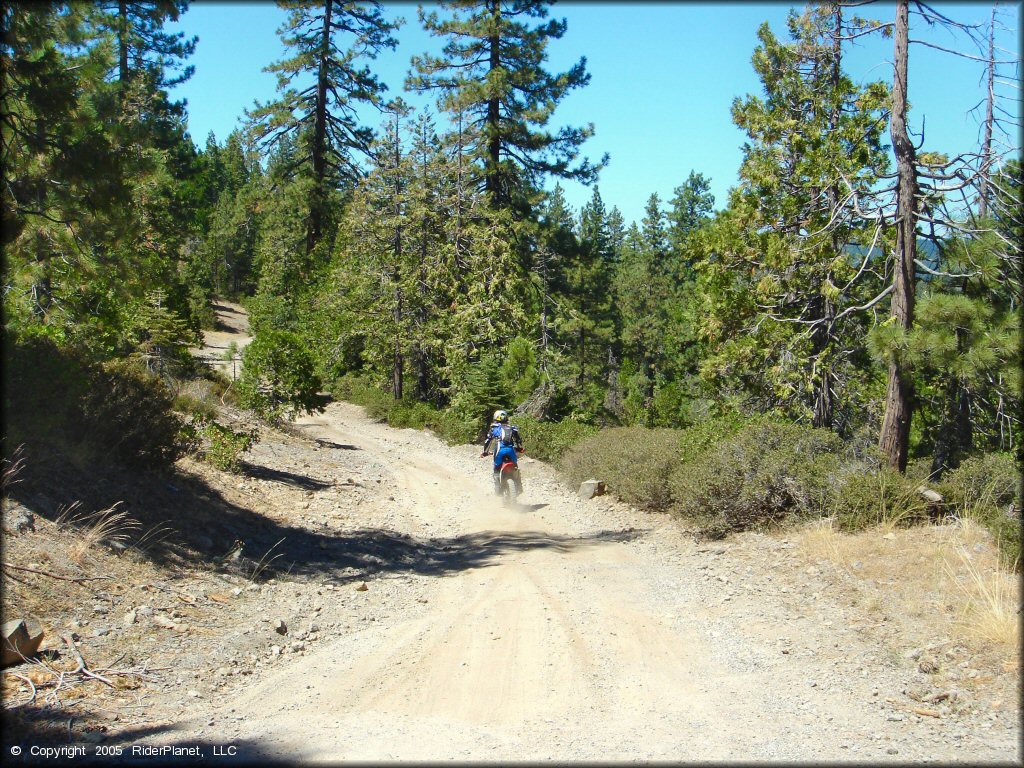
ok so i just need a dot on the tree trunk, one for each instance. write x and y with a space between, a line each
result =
493 176
122 41
314 229
955 432
986 144
583 357
895 435
824 405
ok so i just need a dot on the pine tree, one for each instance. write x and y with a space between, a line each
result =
792 234
322 117
491 72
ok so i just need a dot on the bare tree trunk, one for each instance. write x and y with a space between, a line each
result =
895 434
986 144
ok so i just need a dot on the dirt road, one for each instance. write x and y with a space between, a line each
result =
567 629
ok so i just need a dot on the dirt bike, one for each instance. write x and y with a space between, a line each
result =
509 482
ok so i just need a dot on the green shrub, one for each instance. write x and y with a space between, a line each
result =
57 396
454 428
635 462
762 474
278 379
549 440
982 489
866 497
223 447
128 413
991 479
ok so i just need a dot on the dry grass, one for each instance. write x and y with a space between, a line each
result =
935 581
992 609
107 525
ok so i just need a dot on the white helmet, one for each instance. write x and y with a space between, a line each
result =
500 416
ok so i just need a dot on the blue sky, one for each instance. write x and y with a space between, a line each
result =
663 78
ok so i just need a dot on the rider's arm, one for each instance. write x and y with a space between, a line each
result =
487 442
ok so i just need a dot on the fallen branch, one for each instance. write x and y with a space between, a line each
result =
82 668
31 685
76 579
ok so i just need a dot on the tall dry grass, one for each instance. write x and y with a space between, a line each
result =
110 525
938 580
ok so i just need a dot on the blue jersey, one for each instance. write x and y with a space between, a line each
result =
503 435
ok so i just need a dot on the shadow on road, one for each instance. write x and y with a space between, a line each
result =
341 447
206 524
280 476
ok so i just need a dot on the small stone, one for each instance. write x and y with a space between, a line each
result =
131 617
101 631
193 694
236 591
144 610
362 587
927 665
298 645
275 650
163 621
280 627
892 751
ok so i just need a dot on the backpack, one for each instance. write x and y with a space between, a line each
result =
506 434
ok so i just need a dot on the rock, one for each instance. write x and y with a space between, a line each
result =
275 650
18 519
591 488
298 645
21 640
927 665
236 591
101 631
144 610
362 587
280 627
131 617
163 621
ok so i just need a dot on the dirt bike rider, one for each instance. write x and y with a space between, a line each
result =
507 442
